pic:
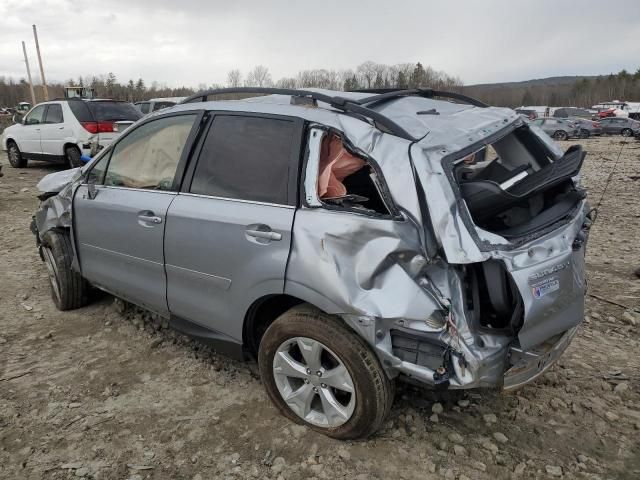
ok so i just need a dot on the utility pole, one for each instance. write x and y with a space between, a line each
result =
44 82
26 61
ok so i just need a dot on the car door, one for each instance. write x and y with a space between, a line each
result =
228 231
53 131
120 210
29 138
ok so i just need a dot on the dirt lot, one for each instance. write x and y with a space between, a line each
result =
103 393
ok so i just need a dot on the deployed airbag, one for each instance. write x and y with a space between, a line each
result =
336 163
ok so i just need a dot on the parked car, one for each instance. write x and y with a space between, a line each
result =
557 128
530 114
62 131
343 251
620 126
572 112
156 104
587 128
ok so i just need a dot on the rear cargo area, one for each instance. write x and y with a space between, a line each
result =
515 188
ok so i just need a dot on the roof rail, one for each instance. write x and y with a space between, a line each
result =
345 105
385 94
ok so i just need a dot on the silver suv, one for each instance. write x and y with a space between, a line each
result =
343 239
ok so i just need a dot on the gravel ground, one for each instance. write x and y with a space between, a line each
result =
107 392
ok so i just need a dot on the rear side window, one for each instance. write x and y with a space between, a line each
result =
54 114
246 158
80 110
113 111
144 107
148 156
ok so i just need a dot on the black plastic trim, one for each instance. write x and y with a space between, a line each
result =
218 341
384 94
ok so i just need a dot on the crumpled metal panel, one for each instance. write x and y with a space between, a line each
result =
350 263
550 275
55 211
54 182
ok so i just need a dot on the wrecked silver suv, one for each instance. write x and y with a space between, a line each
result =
343 239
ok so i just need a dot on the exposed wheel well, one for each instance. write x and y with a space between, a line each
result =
260 315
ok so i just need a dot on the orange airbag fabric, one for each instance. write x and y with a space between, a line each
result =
336 164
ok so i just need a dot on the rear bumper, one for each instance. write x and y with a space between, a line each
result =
529 365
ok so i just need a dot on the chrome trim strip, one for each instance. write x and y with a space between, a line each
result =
119 254
253 202
147 190
222 282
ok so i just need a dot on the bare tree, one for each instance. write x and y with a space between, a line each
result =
367 73
259 77
234 78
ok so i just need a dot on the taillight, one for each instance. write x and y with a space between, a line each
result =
98 127
91 127
104 127
596 125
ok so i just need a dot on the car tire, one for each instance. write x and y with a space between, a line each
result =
560 135
68 289
73 157
584 133
626 132
16 160
359 413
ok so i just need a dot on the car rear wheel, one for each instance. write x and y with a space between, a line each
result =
626 132
68 288
321 374
73 157
560 135
16 160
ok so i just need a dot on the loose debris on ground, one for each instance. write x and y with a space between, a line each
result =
108 392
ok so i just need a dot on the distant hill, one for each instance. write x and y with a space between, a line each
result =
542 82
575 90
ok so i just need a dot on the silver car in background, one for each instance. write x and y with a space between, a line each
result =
558 128
345 240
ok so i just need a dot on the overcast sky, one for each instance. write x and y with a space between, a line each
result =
191 42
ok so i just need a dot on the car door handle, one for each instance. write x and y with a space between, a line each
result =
149 218
269 235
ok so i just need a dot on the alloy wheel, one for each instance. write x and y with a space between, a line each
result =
314 382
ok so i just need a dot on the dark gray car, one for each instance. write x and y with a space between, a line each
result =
587 128
620 126
557 128
345 240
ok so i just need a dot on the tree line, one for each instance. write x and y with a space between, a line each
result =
367 75
583 92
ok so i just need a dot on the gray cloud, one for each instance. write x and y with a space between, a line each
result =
192 42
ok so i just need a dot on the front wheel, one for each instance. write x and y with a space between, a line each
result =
68 288
626 132
560 135
15 157
321 374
